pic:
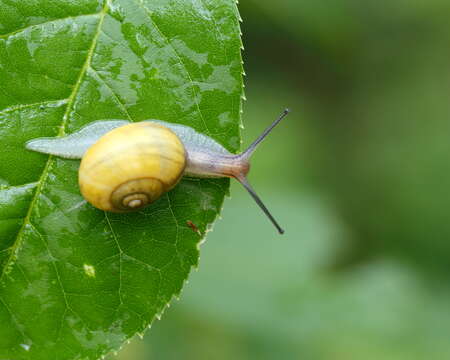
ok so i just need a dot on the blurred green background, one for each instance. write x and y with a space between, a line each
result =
358 174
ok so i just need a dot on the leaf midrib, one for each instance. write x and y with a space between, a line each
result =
61 132
12 33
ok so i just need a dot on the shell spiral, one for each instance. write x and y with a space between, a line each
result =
131 166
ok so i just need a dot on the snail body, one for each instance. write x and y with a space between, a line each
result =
126 166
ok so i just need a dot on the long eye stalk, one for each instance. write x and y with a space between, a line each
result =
266 211
243 180
251 149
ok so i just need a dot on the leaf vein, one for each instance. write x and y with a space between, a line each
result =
44 174
120 256
148 12
14 319
12 33
116 97
58 277
26 106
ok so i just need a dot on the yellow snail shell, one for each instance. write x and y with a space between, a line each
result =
131 166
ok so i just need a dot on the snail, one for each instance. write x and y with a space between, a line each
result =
126 166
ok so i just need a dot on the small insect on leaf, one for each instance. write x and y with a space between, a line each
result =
194 227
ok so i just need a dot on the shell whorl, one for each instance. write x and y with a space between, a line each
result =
136 193
131 166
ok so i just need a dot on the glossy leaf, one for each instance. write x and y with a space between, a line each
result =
77 282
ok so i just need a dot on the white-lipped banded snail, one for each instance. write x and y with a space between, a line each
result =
126 166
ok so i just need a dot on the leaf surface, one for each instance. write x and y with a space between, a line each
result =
75 282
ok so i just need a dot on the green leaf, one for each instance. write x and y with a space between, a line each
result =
76 282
